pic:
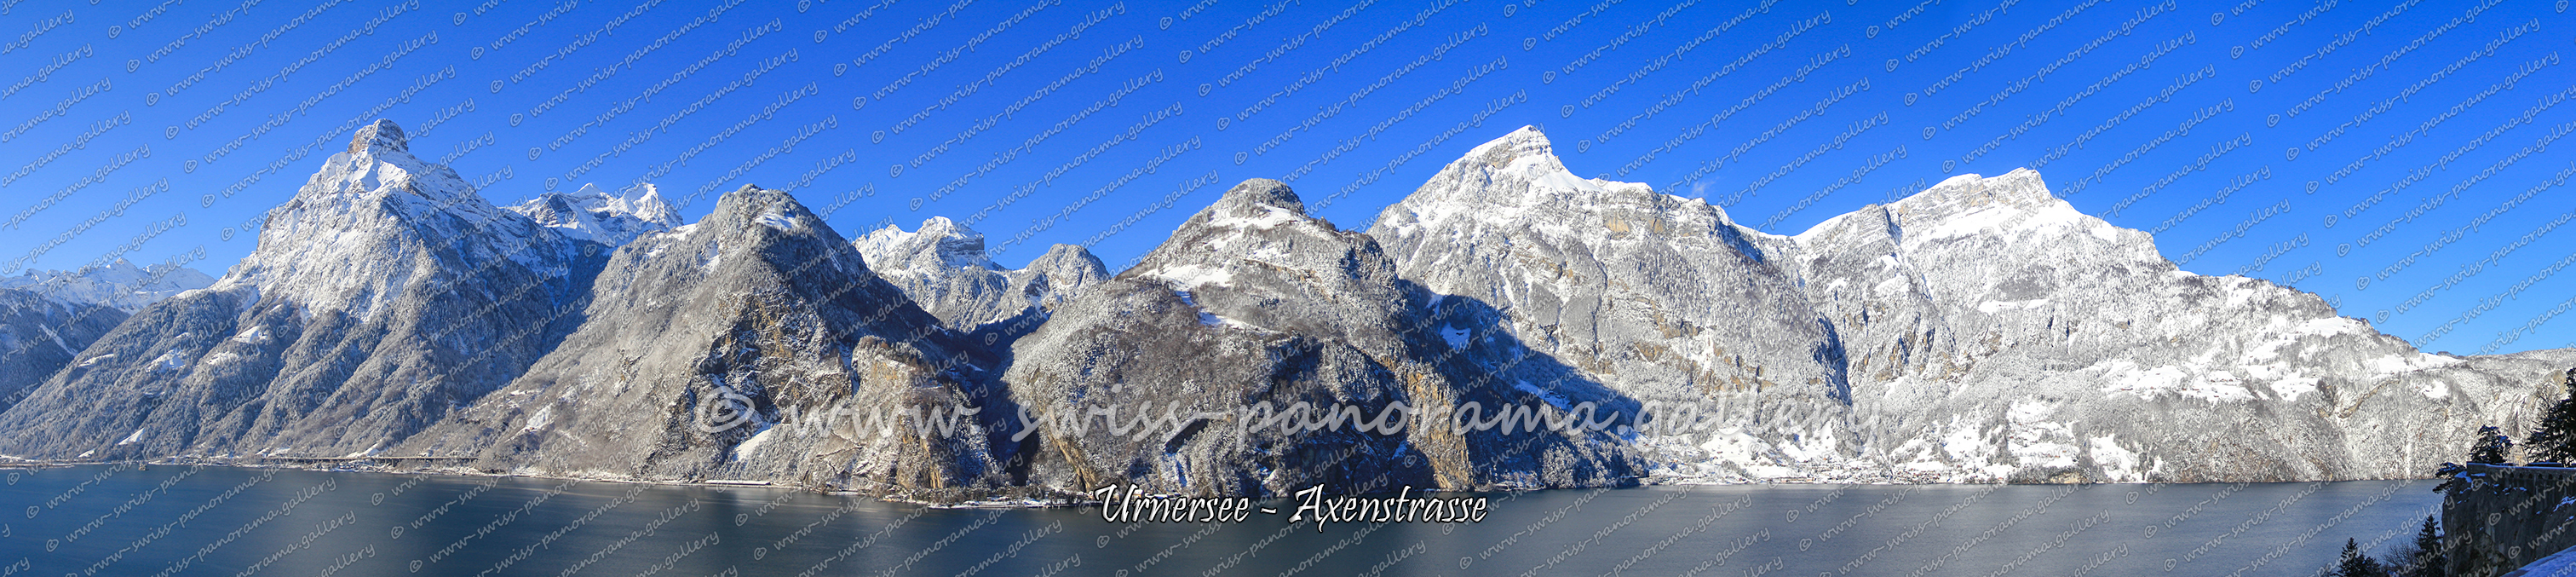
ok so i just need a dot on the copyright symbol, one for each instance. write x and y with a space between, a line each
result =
728 410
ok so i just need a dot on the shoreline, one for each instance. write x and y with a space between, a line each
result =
1049 501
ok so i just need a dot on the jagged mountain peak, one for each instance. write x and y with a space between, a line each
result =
379 164
383 135
772 209
1528 146
383 294
1527 156
937 243
1073 259
2022 188
1260 224
360 226
1260 201
2006 208
1518 182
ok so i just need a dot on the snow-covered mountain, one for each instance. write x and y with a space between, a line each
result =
1659 297
385 294
594 215
750 345
1254 303
1996 332
119 284
942 266
1980 330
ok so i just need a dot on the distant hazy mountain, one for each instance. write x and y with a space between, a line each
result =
120 284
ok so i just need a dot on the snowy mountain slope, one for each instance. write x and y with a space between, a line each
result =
1980 330
383 295
40 335
1996 331
1660 297
743 346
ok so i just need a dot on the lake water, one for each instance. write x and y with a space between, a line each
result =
167 520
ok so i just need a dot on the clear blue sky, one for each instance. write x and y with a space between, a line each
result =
1028 118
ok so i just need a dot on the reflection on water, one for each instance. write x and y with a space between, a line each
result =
167 520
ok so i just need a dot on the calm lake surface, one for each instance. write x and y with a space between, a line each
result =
169 520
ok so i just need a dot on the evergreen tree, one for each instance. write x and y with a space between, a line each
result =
2422 558
2356 564
2491 446
2555 438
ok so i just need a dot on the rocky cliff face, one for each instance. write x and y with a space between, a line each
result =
753 344
1981 330
39 336
384 295
1145 378
943 267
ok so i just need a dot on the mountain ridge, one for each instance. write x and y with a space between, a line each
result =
1981 330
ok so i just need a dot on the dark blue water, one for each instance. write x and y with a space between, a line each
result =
104 520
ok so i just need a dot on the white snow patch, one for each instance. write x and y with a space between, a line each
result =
2117 463
752 445
2000 218
96 359
545 416
778 220
2120 375
1966 444
1565 180
1811 446
2407 363
137 437
1271 216
1190 277
1732 446
2290 389
1543 170
169 361
2435 388
1209 318
1457 337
